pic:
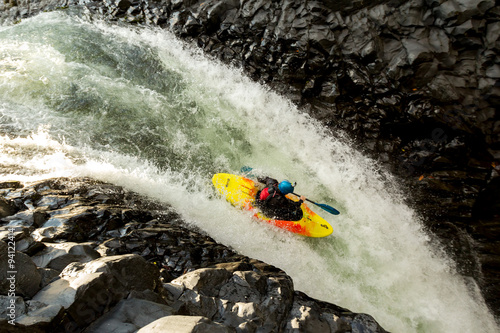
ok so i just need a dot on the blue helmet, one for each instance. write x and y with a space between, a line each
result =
285 187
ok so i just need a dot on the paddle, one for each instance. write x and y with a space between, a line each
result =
329 209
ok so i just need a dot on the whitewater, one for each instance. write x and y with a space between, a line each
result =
138 108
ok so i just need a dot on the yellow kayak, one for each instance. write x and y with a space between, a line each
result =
241 192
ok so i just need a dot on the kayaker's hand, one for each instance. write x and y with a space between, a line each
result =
303 198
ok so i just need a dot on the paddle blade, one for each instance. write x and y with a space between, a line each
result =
329 209
247 172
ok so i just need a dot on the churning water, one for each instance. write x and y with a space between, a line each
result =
138 108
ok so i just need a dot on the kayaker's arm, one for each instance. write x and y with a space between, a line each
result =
301 200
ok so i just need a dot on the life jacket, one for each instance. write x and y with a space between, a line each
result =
266 194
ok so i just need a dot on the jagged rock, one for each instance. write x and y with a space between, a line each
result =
86 291
22 237
129 315
462 10
19 273
493 35
241 299
24 218
118 292
309 315
29 316
10 309
185 324
48 275
7 208
73 223
39 317
58 256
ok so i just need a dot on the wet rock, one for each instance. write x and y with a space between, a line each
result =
24 218
73 223
24 242
462 10
186 324
58 256
10 309
130 315
52 201
174 248
244 297
172 272
308 315
29 246
86 291
39 317
48 275
19 273
7 208
29 316
14 184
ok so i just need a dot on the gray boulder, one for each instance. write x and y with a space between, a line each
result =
58 255
245 300
10 309
310 315
129 315
86 291
185 324
18 272
123 292
250 298
7 208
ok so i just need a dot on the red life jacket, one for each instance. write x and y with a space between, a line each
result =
264 194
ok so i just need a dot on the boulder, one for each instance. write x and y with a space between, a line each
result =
7 208
40 317
129 315
58 255
86 291
19 273
11 307
22 237
185 324
238 299
74 222
255 297
217 288
309 315
48 276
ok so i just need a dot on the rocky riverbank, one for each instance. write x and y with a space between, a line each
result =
415 84
93 257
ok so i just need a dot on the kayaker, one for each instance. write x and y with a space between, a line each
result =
272 200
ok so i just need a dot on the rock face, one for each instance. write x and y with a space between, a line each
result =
137 269
415 83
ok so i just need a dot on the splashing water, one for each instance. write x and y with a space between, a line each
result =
140 109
